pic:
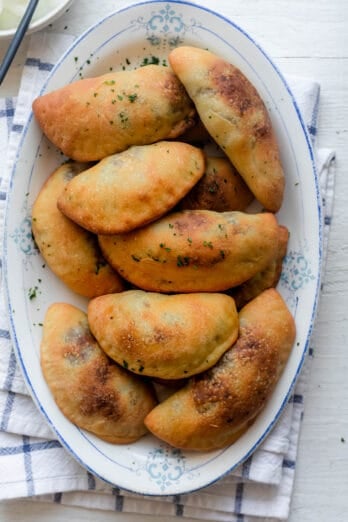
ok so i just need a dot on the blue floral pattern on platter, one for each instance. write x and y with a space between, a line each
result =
23 237
296 271
165 465
165 27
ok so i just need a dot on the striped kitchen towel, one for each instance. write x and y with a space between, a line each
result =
33 464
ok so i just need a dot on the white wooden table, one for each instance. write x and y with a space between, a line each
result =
308 38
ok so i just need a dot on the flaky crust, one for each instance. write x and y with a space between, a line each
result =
194 250
236 117
216 407
164 336
132 188
91 391
71 252
95 117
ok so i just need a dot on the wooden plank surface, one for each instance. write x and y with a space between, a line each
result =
309 39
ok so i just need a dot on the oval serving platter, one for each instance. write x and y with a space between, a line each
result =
135 35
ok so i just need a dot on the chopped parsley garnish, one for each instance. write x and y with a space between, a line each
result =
182 261
32 292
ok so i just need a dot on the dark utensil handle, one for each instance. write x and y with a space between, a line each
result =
16 40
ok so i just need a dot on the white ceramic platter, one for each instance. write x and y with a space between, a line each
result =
125 39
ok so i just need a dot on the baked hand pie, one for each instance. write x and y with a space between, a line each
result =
164 336
267 278
70 251
221 188
95 117
216 407
132 188
91 390
235 116
194 250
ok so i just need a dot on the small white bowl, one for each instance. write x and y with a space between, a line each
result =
57 10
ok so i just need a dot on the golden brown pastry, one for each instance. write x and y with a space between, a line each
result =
95 117
132 188
164 336
235 116
90 390
220 189
217 406
71 252
194 250
267 278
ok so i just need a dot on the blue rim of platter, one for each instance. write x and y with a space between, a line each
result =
294 277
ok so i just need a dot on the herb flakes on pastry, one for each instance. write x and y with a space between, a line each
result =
216 407
132 188
95 117
234 114
91 390
194 250
164 336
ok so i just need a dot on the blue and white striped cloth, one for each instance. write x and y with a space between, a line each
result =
33 464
